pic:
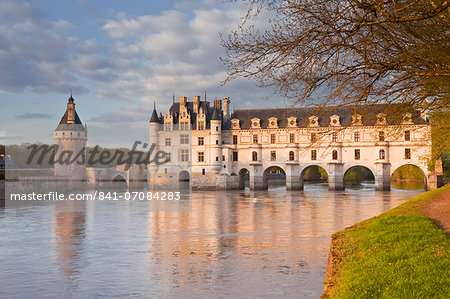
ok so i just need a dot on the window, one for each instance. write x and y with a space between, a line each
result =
200 125
381 136
201 157
217 158
292 138
223 158
334 137
335 155
291 156
407 136
313 154
356 137
168 127
255 139
168 157
184 126
407 153
313 137
168 143
184 139
235 139
254 156
272 138
184 155
217 129
201 141
357 154
235 156
382 155
217 141
273 156
203 171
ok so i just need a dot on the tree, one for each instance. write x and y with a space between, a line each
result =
347 52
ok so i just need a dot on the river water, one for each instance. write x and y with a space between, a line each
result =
231 244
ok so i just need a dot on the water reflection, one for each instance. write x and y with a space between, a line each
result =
235 243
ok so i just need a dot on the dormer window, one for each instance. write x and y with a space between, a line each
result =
407 118
273 123
256 124
381 119
334 120
292 122
235 123
313 121
357 120
200 125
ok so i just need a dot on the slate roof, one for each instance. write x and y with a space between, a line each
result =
64 126
64 119
154 118
205 105
345 113
215 115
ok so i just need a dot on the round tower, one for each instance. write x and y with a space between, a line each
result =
216 141
70 139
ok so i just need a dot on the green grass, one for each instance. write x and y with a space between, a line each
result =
399 254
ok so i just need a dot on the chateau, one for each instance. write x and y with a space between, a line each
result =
211 148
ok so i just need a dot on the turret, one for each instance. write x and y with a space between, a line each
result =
216 140
70 137
154 125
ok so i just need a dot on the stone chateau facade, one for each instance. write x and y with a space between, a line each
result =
209 147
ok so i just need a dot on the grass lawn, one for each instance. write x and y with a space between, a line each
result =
399 254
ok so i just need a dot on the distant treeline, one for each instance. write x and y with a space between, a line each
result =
21 154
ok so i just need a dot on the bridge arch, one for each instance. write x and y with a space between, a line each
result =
274 173
356 174
184 180
119 181
244 177
313 173
412 172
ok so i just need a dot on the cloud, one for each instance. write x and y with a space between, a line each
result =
41 55
176 51
132 114
34 116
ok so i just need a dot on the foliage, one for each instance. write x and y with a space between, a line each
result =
346 52
2 176
357 175
2 149
409 173
440 133
315 174
20 155
399 254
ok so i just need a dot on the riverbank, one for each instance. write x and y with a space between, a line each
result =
402 253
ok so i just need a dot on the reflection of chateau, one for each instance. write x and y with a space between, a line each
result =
213 148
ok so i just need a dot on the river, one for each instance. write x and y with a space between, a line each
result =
231 244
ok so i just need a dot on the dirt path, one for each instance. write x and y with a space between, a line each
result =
439 209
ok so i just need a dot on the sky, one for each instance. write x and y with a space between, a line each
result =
118 58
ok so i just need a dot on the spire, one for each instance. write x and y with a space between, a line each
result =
154 118
215 114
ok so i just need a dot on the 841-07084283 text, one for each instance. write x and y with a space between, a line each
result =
160 195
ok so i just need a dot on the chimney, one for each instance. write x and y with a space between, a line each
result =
183 100
218 104
226 108
196 103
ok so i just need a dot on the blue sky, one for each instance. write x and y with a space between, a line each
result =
118 57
